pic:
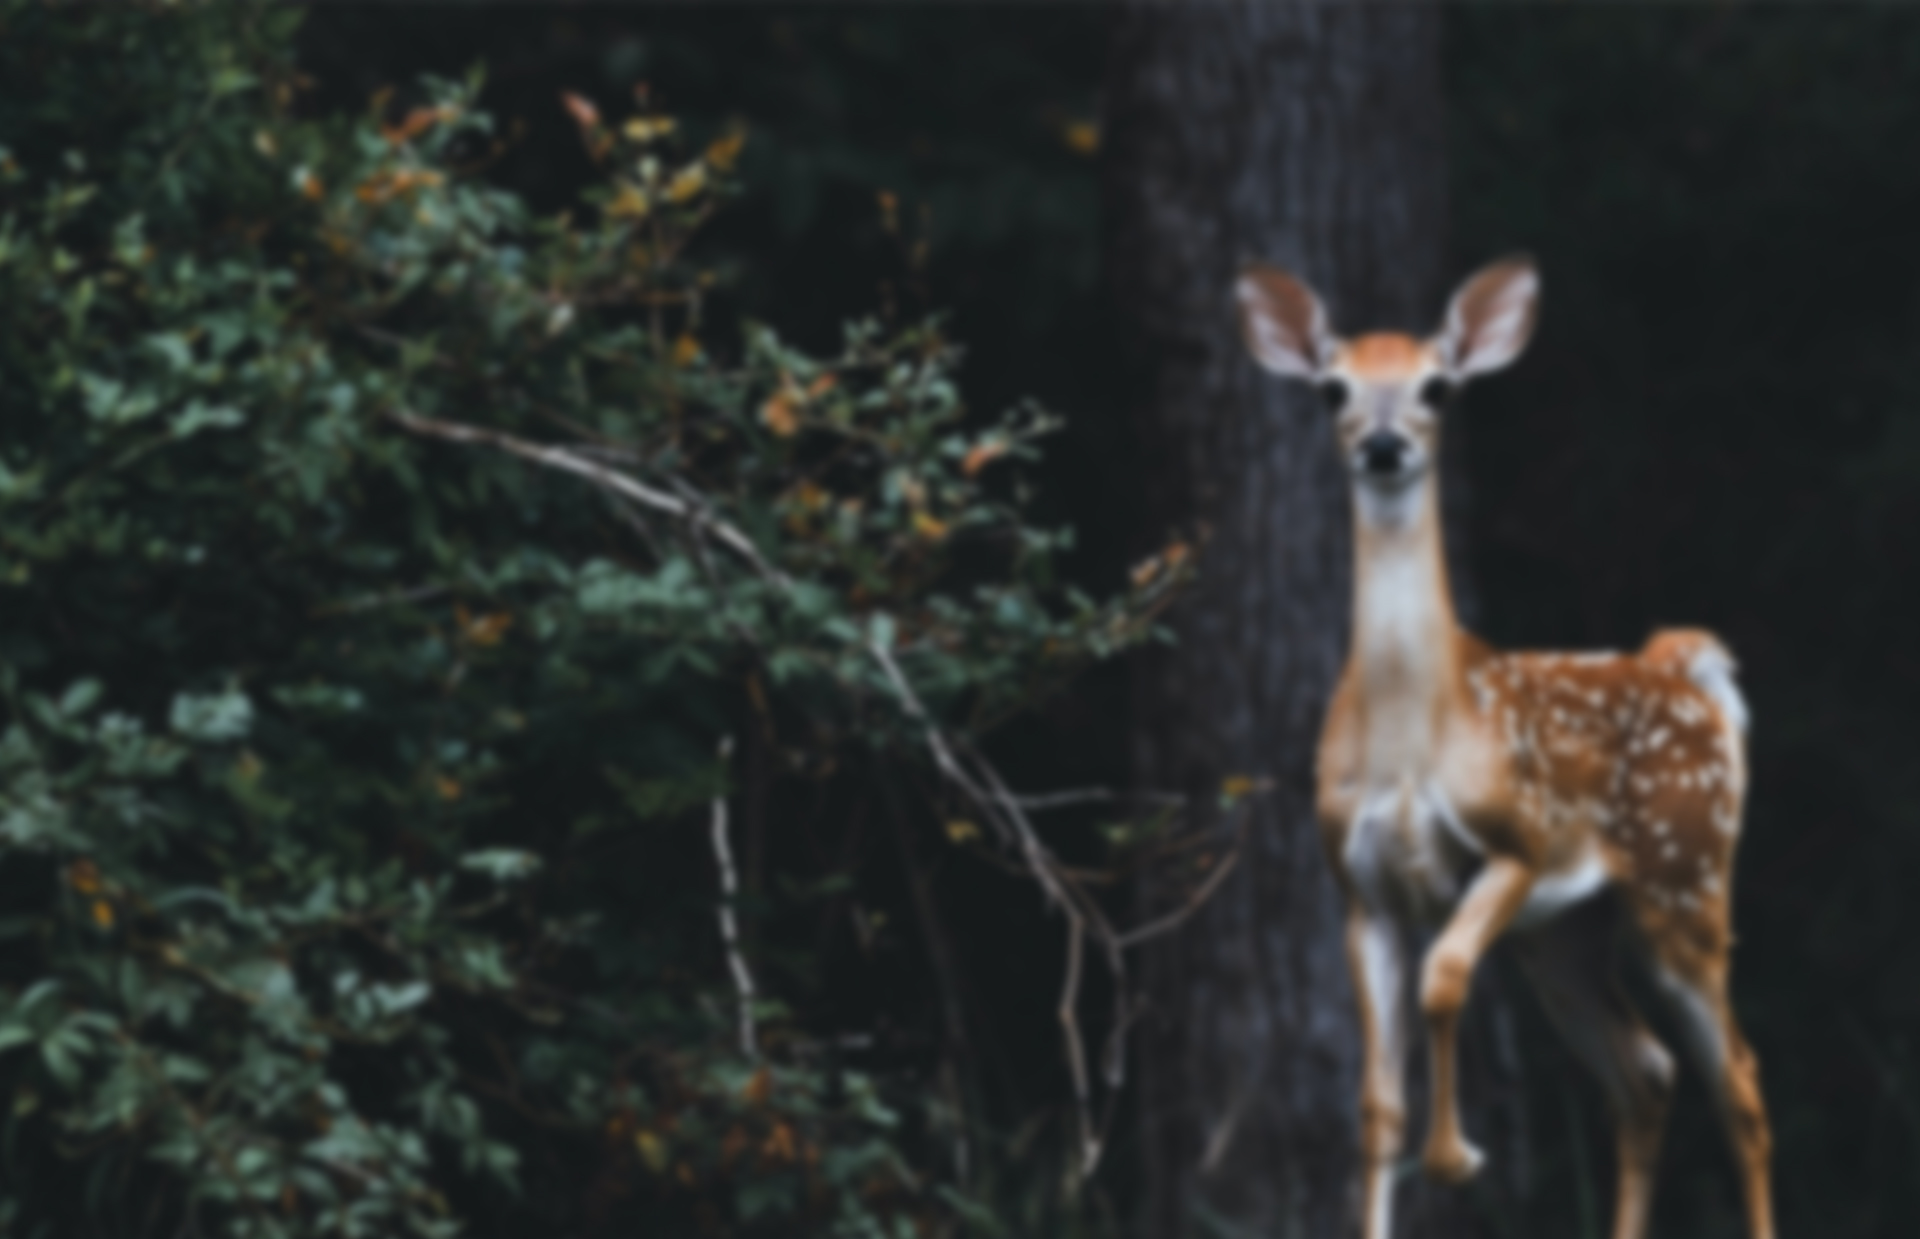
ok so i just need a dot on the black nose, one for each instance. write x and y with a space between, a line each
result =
1382 452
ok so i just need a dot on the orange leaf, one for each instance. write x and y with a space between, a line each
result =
780 1145
759 1086
417 122
982 455
103 914
779 416
311 187
449 789
84 876
686 350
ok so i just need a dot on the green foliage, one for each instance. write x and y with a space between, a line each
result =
350 781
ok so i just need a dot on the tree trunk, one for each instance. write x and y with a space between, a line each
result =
1308 135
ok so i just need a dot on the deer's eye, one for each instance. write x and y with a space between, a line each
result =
1436 393
1333 394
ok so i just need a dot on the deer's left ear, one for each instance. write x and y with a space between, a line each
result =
1491 318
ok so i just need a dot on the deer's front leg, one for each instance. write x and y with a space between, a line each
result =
1490 904
1377 960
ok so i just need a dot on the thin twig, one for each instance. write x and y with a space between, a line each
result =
729 928
1172 920
568 461
1092 795
1076 1051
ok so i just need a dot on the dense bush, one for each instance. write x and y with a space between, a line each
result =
387 572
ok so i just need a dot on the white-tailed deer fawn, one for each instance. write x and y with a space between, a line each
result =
1574 799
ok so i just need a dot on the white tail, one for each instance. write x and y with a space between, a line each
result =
1560 796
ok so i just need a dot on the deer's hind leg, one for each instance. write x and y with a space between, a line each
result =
1572 962
1691 966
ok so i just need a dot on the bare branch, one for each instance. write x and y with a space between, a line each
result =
569 461
729 928
1172 920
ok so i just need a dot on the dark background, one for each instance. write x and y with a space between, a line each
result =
1718 424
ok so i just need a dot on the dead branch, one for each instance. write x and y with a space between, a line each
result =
729 927
569 461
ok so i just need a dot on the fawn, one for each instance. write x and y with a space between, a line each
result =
1572 799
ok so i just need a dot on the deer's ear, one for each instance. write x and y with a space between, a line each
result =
1491 318
1283 322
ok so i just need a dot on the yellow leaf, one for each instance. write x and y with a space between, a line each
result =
630 202
84 876
687 182
103 914
264 143
931 528
1235 786
649 128
686 350
962 831
723 151
1082 137
652 1150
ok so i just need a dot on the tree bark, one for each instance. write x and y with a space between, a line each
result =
1307 135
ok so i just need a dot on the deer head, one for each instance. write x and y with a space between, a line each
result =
1388 390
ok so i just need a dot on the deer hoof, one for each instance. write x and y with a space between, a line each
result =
1453 1161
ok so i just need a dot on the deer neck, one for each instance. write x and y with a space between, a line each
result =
1404 660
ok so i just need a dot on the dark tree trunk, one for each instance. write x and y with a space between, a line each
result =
1308 135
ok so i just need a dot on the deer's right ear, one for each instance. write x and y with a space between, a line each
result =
1283 322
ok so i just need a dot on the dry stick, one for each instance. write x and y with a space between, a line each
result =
729 929
1076 1052
572 462
1172 920
1002 810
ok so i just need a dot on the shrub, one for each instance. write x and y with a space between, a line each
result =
386 571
